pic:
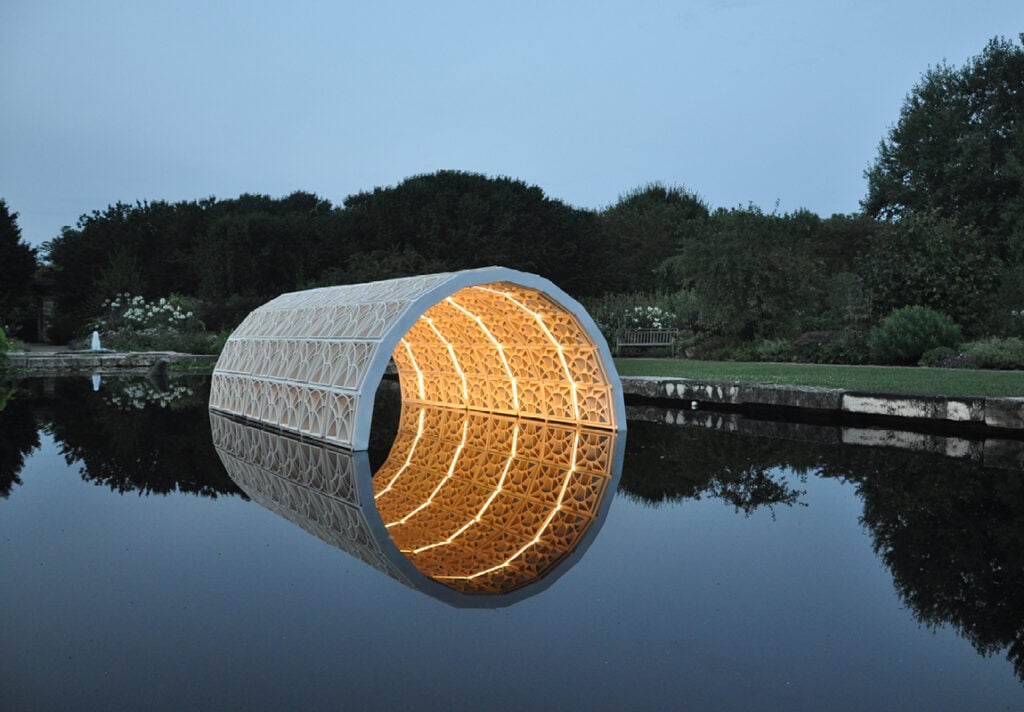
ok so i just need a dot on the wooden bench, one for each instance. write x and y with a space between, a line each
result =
645 337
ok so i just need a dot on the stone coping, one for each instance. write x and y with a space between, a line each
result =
1007 413
49 362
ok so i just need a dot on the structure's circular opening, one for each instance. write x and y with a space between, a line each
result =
503 451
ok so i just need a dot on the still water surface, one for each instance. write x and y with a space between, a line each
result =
729 573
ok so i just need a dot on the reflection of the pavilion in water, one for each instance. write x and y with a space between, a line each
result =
475 509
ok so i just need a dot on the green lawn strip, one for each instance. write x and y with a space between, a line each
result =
880 379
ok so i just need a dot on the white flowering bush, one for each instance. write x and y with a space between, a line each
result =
648 317
136 395
133 313
132 323
614 313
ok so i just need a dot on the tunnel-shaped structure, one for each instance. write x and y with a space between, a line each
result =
507 442
491 340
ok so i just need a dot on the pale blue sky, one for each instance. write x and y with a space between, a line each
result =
739 101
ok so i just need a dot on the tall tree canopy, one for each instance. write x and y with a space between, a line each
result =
465 220
958 148
932 261
17 267
646 227
754 275
234 254
252 248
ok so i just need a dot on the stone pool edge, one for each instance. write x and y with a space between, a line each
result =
992 412
47 363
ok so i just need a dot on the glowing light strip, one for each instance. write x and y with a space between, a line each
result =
543 527
498 346
554 342
455 360
442 483
408 458
476 520
416 367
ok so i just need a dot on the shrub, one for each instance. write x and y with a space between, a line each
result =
131 323
775 350
718 350
615 312
5 346
907 333
1005 354
844 346
945 357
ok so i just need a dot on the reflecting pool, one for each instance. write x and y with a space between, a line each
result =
142 569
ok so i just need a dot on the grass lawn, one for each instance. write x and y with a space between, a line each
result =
887 379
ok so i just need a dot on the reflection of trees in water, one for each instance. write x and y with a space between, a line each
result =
19 436
149 449
132 435
666 463
952 534
950 531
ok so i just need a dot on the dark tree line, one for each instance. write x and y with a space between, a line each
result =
234 254
17 269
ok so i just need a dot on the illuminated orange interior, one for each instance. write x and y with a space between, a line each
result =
503 348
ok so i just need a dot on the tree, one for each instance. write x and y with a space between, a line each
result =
958 148
646 227
230 252
754 275
928 260
465 220
18 262
19 435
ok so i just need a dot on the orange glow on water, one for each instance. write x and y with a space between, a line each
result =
487 502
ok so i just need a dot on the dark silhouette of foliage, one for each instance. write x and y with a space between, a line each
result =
19 435
17 269
952 534
667 463
950 531
644 228
931 261
466 220
249 249
958 148
235 254
754 275
137 447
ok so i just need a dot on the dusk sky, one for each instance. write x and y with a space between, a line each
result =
762 102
